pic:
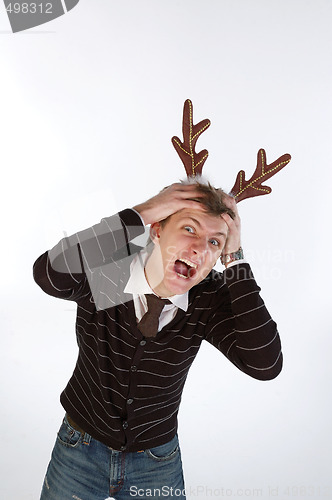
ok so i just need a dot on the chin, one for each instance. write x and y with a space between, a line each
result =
177 285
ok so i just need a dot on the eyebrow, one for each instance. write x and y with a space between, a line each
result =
200 225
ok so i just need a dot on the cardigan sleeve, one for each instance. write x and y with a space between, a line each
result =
61 271
241 327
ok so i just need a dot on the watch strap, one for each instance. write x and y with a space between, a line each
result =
231 257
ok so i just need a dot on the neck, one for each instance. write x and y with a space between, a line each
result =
157 290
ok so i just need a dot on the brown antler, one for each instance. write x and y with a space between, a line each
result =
253 187
193 162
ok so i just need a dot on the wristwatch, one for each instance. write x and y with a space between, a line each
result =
230 257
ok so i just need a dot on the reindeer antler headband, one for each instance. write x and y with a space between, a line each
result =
193 162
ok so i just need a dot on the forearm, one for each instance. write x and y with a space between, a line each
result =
97 243
257 346
61 270
242 328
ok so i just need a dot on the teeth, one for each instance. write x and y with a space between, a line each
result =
191 264
186 277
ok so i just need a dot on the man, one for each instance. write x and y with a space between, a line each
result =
119 434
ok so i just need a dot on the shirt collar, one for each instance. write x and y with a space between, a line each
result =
137 283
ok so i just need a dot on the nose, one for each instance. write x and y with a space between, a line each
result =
199 246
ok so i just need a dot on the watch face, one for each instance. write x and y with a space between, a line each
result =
230 257
239 254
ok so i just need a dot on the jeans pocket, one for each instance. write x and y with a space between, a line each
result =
165 451
68 436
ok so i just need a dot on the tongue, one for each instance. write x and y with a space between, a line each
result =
181 268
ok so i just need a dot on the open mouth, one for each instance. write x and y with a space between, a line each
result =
184 268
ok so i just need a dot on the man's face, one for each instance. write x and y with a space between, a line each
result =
186 249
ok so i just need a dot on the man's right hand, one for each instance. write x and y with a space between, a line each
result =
170 200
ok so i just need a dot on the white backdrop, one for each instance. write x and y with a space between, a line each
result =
88 105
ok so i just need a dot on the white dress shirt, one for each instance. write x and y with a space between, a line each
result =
138 286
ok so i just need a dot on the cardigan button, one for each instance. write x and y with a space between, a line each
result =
142 342
125 425
130 401
134 368
123 448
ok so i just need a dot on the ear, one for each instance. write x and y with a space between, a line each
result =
155 230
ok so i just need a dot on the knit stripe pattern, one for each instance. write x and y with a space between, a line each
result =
126 389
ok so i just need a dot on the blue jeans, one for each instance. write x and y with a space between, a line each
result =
82 468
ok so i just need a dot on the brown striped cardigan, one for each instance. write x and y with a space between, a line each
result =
125 390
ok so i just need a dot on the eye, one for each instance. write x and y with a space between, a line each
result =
189 229
215 243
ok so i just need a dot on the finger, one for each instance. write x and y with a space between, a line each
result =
183 186
190 205
228 198
191 197
232 206
178 186
195 204
227 218
231 223
189 189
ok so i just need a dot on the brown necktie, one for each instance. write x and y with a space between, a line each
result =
149 323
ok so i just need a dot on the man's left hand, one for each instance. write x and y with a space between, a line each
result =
233 241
